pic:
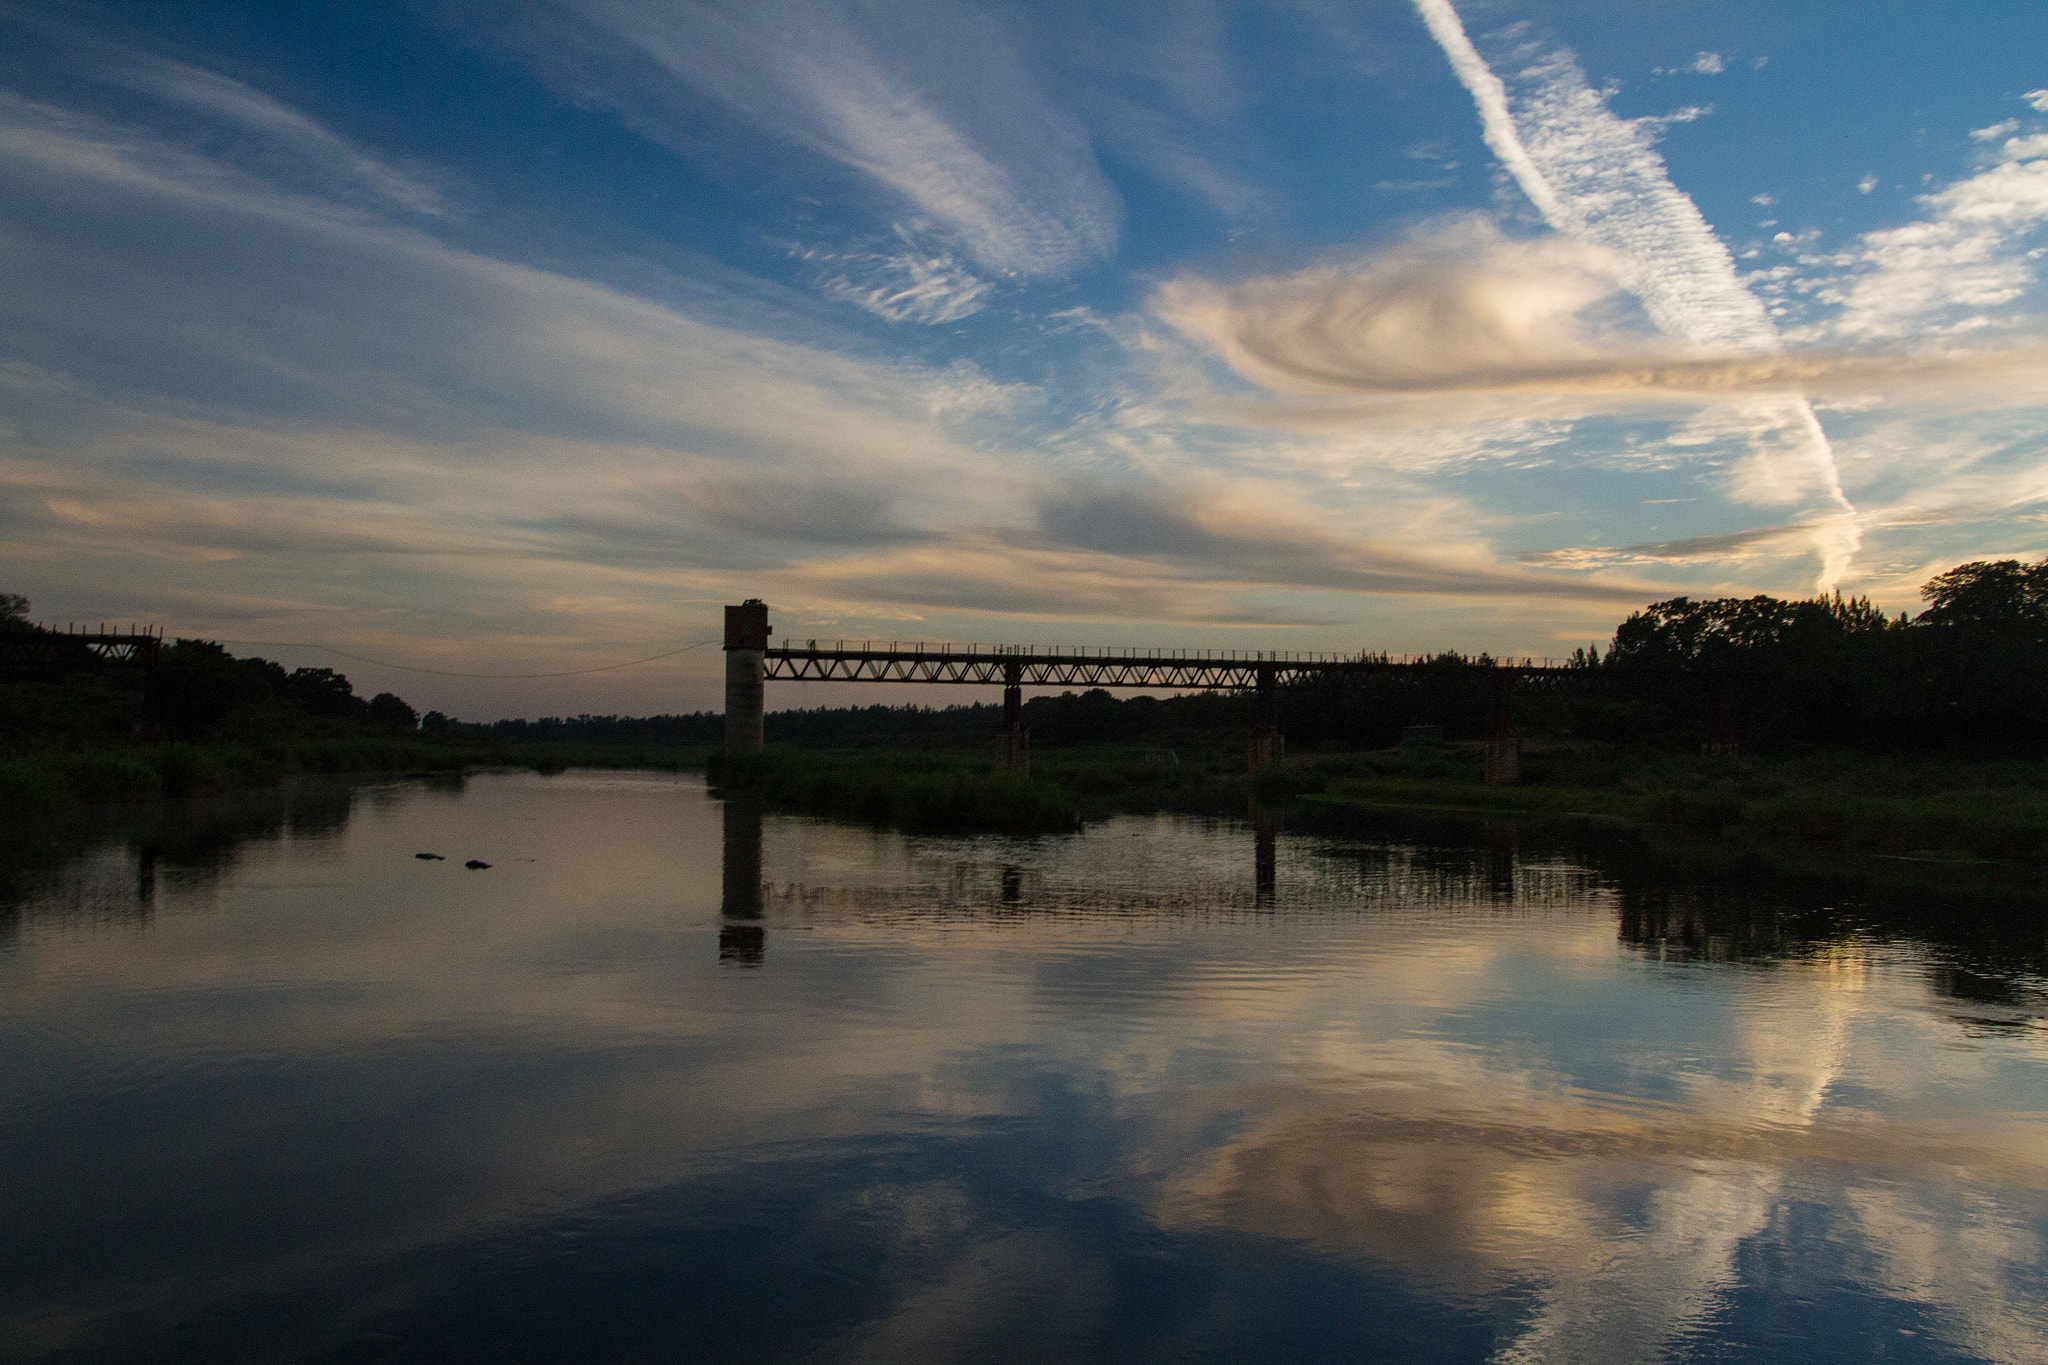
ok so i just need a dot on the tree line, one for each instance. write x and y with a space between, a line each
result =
1969 672
57 690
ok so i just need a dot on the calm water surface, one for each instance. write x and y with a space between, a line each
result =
674 1081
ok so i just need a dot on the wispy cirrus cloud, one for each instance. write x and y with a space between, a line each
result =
1458 310
208 110
1243 533
1458 305
937 109
1973 252
909 284
1731 545
283 127
307 420
1598 178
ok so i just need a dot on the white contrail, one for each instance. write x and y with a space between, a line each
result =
1497 125
1598 177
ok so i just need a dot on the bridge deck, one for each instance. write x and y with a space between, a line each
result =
1190 670
42 646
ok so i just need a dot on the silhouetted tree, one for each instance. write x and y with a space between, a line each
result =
199 684
2002 598
1753 669
322 692
388 709
1978 672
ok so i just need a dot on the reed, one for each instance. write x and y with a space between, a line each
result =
1932 809
912 791
47 781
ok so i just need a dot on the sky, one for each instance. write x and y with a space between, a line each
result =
479 348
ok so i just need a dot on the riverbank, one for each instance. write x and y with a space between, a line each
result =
51 781
1824 815
1934 809
1830 806
923 792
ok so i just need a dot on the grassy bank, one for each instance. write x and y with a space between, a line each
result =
1830 805
45 782
1933 809
914 791
555 758
53 780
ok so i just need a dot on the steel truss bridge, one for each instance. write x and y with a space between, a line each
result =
1166 670
36 647
752 661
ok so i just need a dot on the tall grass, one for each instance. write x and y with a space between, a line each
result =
926 792
38 783
1927 808
41 781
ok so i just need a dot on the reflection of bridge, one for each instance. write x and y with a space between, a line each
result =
750 661
743 930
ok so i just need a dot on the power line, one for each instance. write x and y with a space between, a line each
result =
451 673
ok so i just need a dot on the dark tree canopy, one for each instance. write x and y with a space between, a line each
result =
389 710
1728 631
2002 597
321 692
1969 673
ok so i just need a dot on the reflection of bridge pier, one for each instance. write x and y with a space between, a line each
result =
741 938
1265 856
1502 854
1265 823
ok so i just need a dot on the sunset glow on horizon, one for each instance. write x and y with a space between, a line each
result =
503 340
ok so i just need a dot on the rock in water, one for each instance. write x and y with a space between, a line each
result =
474 863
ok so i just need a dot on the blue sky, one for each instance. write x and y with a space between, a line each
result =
514 338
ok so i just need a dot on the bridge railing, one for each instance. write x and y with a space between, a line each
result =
947 650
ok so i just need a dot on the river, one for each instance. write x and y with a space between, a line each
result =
672 1079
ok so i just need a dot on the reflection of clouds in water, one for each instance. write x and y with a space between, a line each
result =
1440 1060
989 1301
1627 1218
1627 1228
1961 1251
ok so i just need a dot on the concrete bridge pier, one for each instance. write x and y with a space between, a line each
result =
1504 749
1014 757
1267 745
746 645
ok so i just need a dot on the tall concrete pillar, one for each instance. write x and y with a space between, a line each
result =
1267 746
746 642
1504 749
1015 746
